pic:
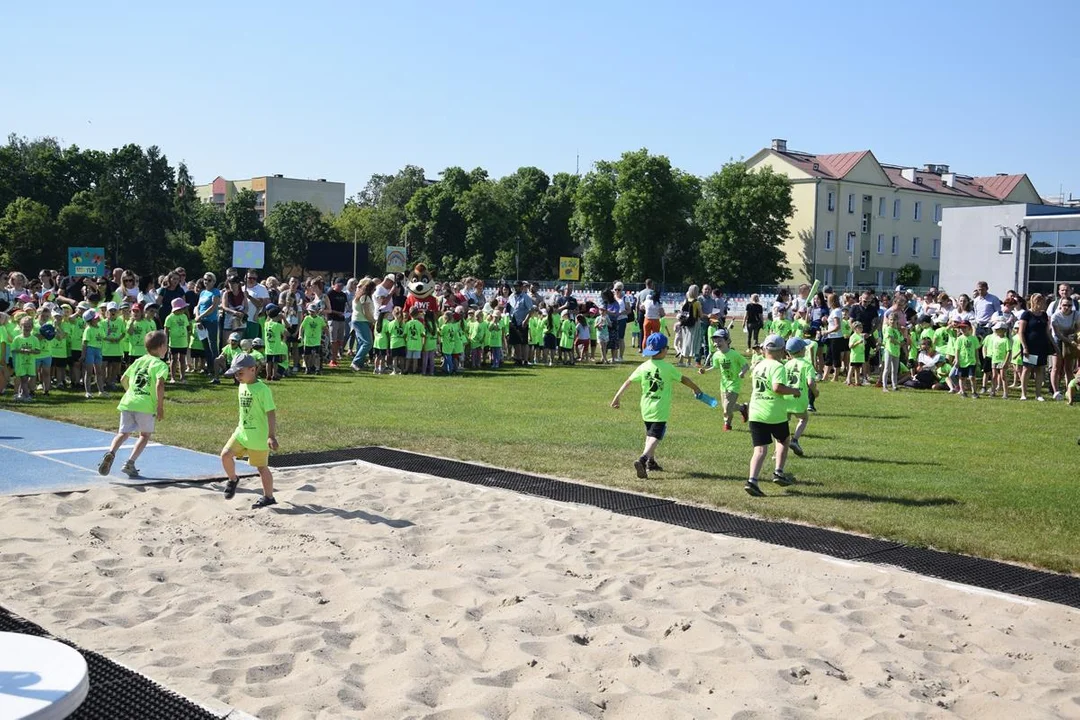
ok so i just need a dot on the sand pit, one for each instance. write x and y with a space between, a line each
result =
373 593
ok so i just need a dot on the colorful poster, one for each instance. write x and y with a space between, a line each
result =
248 255
396 261
87 262
569 268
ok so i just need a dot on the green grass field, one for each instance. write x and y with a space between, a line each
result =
986 477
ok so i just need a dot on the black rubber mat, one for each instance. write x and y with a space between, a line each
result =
116 693
988 574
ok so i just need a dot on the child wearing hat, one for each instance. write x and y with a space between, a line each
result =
256 432
733 368
178 329
996 349
112 346
230 351
143 403
274 334
801 375
24 351
967 357
768 413
92 338
657 378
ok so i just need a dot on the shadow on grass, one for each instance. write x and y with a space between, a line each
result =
874 461
343 514
695 475
866 417
864 497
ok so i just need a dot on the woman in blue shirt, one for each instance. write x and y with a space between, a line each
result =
207 315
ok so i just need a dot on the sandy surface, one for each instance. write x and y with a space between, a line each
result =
373 593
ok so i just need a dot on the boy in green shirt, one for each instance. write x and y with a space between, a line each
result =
801 375
138 327
230 351
112 346
996 349
256 433
414 340
178 328
143 402
91 350
657 377
312 331
857 357
277 349
395 331
380 346
24 350
768 412
733 368
967 356
495 340
448 337
566 338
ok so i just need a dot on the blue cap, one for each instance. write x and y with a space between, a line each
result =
654 344
795 345
47 331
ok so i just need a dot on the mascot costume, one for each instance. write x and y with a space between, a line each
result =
421 285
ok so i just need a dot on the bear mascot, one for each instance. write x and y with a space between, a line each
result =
421 286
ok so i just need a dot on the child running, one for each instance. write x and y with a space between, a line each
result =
657 377
143 403
256 433
800 376
768 413
733 368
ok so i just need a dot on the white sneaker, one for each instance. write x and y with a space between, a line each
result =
1040 398
1058 396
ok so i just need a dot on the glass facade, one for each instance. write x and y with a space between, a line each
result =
1053 258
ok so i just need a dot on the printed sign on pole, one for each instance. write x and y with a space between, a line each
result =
396 261
87 262
248 254
569 268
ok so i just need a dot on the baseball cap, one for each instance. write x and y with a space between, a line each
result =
773 342
654 344
235 337
90 315
963 324
795 345
827 289
29 307
594 311
272 310
47 331
257 342
391 277
1000 326
241 361
179 304
900 289
339 281
136 307
722 333
113 306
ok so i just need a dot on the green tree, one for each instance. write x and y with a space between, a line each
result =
292 227
743 216
215 253
909 274
28 237
435 228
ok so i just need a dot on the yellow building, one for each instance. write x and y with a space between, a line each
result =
273 189
857 221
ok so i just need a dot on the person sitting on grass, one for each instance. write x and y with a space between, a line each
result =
224 360
256 433
768 412
143 403
657 377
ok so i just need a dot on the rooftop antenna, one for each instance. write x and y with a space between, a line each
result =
577 164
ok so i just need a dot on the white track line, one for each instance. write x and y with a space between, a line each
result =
46 457
85 449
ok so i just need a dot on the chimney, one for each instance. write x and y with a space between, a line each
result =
908 174
779 145
949 179
936 168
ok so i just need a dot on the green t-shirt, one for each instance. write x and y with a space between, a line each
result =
536 331
566 334
58 346
137 331
143 377
765 405
857 347
381 340
800 372
591 322
24 351
996 347
448 335
274 337
395 330
657 378
74 329
942 336
229 352
178 328
253 430
967 351
112 344
92 335
414 335
495 334
259 357
892 340
730 364
311 335
459 344
431 338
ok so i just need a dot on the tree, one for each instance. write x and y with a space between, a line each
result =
28 237
292 227
743 216
909 274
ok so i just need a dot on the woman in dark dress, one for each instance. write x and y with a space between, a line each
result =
753 320
1037 343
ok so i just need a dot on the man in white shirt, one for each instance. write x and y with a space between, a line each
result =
801 300
383 295
985 306
258 293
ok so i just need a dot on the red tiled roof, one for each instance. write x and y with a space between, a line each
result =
840 164
934 183
999 186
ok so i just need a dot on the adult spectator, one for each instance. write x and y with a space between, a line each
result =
781 309
1065 324
363 320
235 305
114 282
128 292
833 336
1036 344
567 301
259 294
622 318
1064 290
337 300
643 295
383 295
690 320
753 320
652 312
519 305
292 288
963 311
206 318
707 303
984 305
801 301
172 290
148 291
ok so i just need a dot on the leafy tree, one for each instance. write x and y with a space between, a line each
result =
743 216
909 274
292 227
215 252
27 237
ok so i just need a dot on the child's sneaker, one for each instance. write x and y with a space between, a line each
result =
751 488
653 465
744 410
796 448
641 470
727 427
781 479
105 465
130 470
263 501
230 488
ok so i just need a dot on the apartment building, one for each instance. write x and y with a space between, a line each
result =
273 189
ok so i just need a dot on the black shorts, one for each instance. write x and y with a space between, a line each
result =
58 362
310 350
987 366
764 433
112 358
968 371
398 352
127 358
378 352
76 356
656 430
550 343
275 360
518 336
178 352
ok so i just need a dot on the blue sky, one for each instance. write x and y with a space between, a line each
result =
342 90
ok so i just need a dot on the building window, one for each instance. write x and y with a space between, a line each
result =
832 201
828 240
915 247
881 244
937 212
828 276
881 207
879 278
895 248
918 211
896 209
1005 244
866 222
933 279
851 203
850 242
864 259
935 248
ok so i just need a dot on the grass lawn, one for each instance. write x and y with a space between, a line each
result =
989 477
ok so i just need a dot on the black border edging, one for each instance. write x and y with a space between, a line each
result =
116 693
962 569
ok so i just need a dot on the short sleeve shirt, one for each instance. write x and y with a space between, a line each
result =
730 364
206 299
765 405
143 377
657 378
253 430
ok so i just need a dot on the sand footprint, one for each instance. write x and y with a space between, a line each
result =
256 597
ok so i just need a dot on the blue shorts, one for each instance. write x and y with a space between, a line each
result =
93 356
412 354
45 362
